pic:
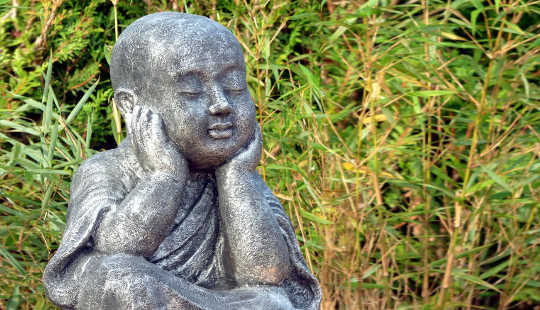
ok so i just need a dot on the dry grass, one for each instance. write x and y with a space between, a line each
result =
401 136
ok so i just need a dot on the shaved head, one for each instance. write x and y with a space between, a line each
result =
191 71
140 61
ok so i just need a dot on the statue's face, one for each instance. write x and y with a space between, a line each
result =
199 88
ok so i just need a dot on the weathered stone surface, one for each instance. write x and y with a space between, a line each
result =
177 217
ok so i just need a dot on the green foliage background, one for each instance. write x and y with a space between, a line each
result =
402 137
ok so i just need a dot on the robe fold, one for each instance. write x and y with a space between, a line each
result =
190 259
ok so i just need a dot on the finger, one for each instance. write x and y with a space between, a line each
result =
252 153
258 133
145 115
153 130
134 128
146 132
256 143
135 113
158 128
135 120
142 131
130 118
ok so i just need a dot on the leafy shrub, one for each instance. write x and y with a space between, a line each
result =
401 136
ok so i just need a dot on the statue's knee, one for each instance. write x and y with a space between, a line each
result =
122 268
263 275
122 281
121 261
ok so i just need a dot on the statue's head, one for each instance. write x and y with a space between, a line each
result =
191 71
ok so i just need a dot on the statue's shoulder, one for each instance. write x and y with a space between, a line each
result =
98 178
113 166
107 163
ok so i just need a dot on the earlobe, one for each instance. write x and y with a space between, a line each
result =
125 100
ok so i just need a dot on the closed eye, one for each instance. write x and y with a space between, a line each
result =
235 91
191 94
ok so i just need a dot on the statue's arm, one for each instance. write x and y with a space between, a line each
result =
256 248
140 222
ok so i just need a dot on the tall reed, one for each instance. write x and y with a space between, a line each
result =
402 138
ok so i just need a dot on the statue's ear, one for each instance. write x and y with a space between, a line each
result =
125 100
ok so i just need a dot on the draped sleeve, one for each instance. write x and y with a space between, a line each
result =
189 260
301 286
97 185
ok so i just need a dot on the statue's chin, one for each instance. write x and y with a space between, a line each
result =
211 156
211 161
206 165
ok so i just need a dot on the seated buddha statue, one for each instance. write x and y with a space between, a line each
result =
177 217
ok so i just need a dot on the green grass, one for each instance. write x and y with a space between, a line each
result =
402 137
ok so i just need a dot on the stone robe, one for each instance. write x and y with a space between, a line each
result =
187 271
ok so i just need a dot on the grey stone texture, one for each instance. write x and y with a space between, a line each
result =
177 217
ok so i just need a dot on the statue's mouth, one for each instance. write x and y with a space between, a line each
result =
220 130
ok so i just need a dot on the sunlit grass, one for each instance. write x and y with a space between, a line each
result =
402 137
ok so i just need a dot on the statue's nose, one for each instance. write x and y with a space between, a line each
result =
220 104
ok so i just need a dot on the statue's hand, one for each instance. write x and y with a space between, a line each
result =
153 147
247 157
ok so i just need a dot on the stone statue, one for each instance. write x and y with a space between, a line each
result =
177 217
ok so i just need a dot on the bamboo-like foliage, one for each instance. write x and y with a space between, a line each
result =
402 138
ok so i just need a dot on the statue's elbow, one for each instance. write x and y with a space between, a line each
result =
274 271
266 273
278 268
275 274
